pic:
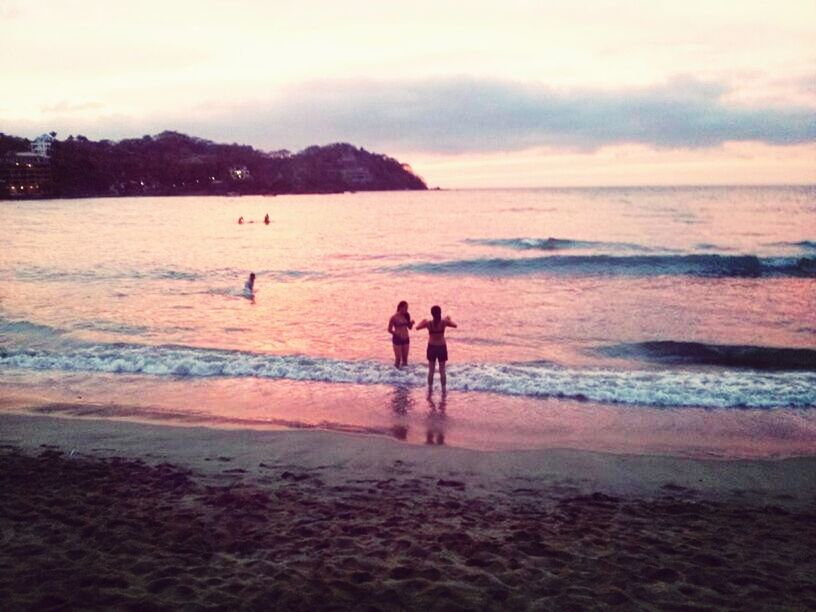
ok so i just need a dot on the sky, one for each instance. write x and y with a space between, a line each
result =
470 94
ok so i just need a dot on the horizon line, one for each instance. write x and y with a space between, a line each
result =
626 186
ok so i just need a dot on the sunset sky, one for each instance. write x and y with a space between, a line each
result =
476 94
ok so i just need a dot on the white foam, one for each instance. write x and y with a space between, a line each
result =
720 388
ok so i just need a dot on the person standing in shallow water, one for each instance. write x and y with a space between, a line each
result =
437 348
398 326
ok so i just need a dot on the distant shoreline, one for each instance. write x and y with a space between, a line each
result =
171 164
430 189
206 195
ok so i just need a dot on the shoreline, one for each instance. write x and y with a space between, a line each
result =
349 454
103 514
472 420
204 194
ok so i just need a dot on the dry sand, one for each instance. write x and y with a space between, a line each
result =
115 515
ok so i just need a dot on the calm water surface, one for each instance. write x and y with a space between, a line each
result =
660 320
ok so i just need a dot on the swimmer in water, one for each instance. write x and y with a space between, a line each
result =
398 326
240 220
249 286
266 219
437 348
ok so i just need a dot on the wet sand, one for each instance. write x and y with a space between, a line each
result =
114 515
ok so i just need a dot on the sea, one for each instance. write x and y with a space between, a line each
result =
676 321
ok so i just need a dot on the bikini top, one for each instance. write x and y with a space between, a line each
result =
403 323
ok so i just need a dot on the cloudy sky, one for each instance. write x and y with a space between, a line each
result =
471 94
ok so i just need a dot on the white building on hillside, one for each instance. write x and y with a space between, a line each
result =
42 145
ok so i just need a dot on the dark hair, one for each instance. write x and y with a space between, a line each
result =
405 314
436 313
252 275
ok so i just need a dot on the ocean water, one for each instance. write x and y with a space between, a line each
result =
675 320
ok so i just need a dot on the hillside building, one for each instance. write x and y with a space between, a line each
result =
42 145
25 175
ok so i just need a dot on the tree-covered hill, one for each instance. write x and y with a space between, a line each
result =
176 164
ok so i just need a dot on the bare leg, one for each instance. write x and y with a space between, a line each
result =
442 378
431 370
405 348
397 355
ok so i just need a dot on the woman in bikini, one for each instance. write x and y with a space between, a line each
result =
398 326
437 349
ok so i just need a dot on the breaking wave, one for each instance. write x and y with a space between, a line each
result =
734 356
21 328
804 245
748 266
723 389
553 244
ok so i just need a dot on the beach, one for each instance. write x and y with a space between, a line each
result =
340 306
116 515
628 419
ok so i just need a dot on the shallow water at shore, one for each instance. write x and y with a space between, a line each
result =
471 420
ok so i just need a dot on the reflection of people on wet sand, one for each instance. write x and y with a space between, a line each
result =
437 349
401 400
398 326
400 403
436 421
